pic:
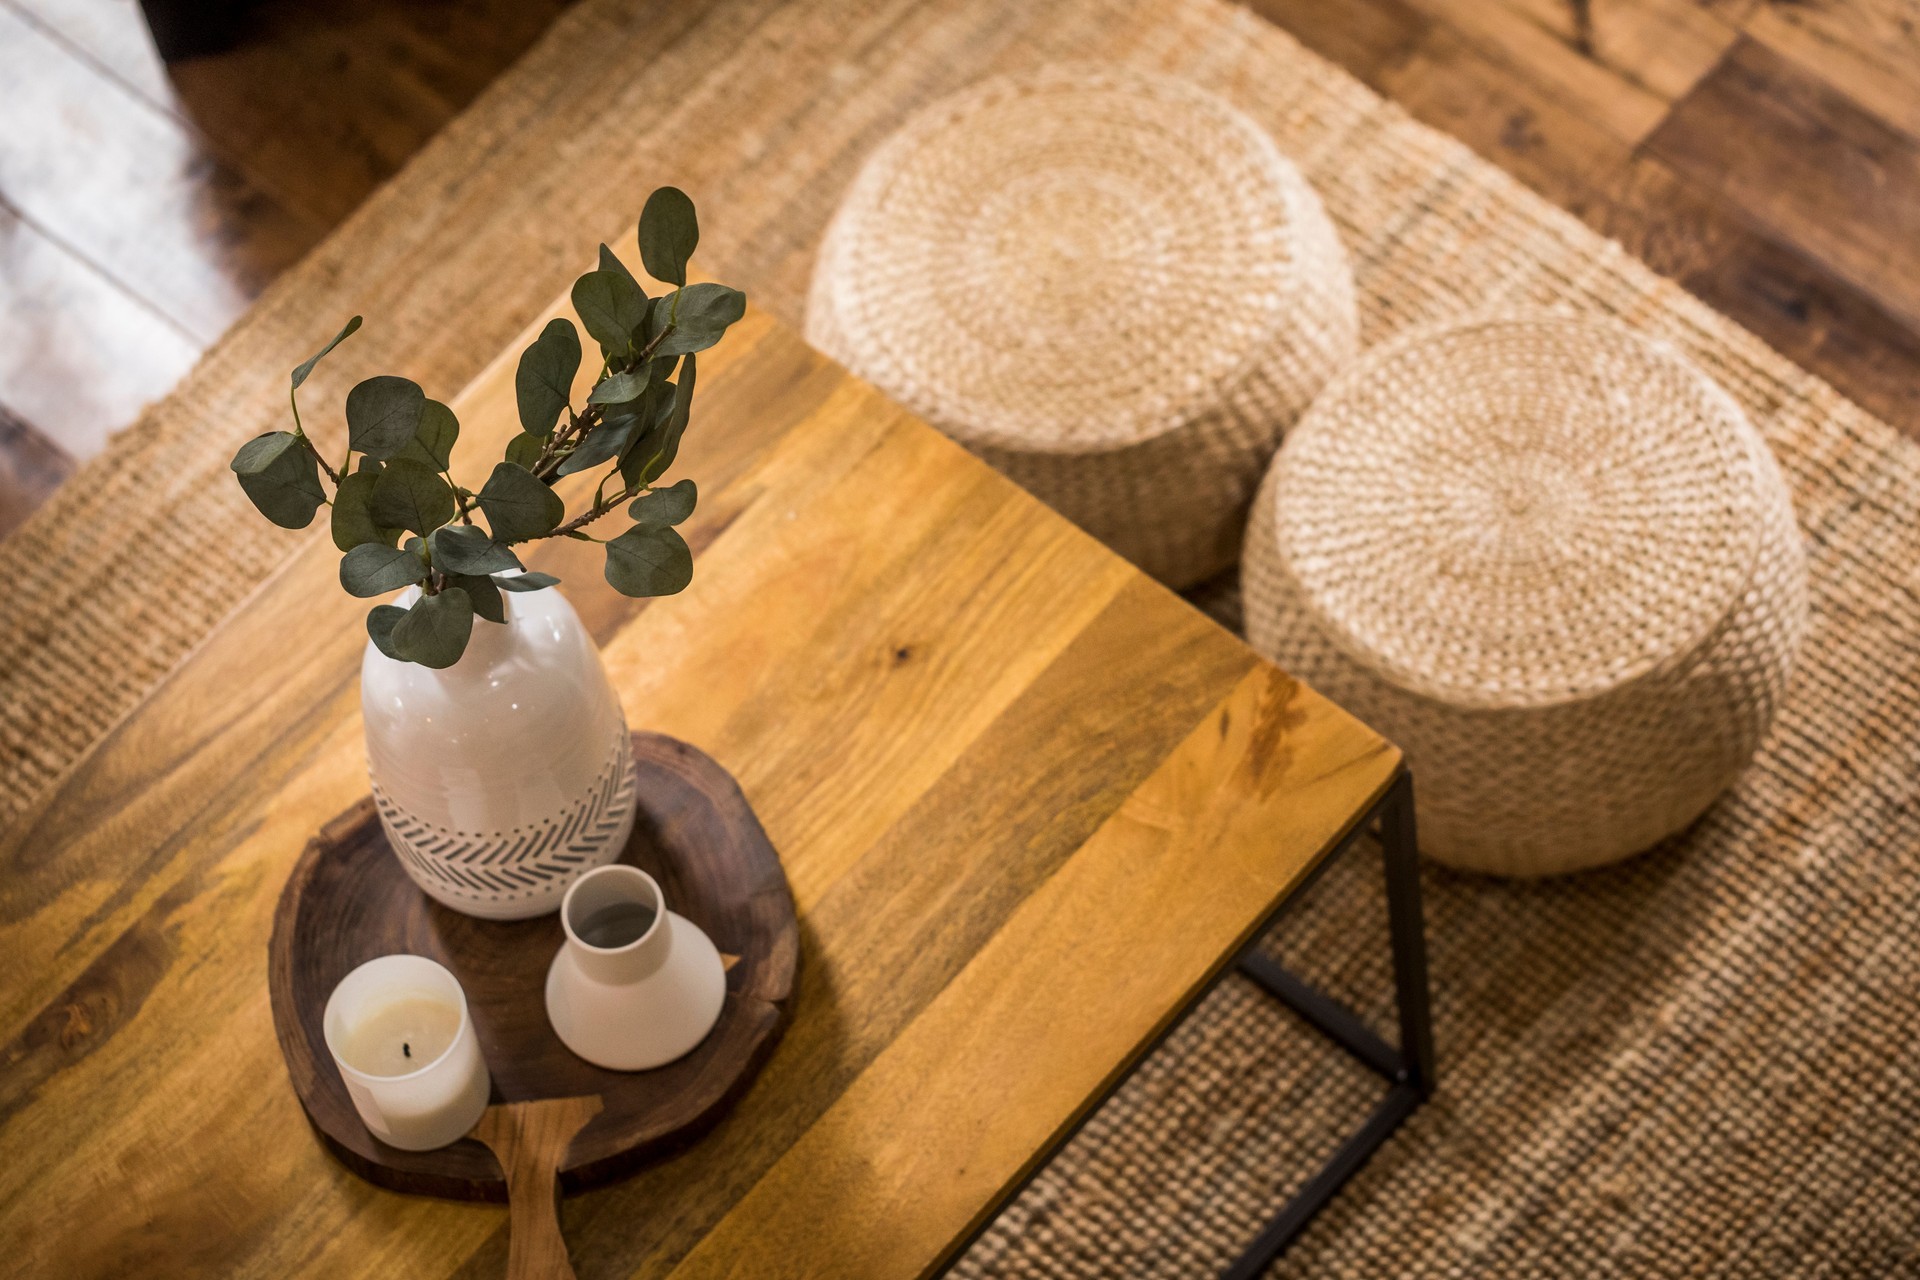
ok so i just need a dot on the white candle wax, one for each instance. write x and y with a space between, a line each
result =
401 1036
398 1030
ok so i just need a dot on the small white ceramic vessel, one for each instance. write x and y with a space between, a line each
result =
441 1098
642 1003
503 777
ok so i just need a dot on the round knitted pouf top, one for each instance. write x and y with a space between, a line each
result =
1111 286
1554 562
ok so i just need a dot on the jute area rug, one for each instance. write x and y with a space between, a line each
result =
1700 1063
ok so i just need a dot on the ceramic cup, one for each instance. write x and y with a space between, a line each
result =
635 985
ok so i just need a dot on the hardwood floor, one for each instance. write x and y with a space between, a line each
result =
143 207
1765 153
1760 152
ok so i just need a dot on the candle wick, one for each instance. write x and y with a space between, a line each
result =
406 1048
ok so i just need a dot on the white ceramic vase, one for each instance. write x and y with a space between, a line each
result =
502 778
643 1002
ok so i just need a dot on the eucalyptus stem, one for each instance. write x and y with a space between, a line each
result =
587 517
578 425
293 399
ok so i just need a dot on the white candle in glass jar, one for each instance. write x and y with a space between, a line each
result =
399 1032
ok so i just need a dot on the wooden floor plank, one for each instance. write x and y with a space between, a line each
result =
1803 161
1547 140
1660 46
1867 49
1790 299
132 191
323 100
79 356
1619 104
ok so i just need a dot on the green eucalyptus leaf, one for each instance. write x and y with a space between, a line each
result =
543 384
610 262
484 594
650 457
383 415
411 495
602 444
649 560
305 367
669 232
641 453
353 521
461 548
619 388
519 506
611 306
532 581
670 505
373 570
432 444
705 312
525 449
280 476
683 397
434 632
380 623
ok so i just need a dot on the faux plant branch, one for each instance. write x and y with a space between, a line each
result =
632 423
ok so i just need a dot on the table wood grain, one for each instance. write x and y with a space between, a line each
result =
1029 803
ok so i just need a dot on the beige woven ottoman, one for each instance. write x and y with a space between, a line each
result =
1554 562
1111 286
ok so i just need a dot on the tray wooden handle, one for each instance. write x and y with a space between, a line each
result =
530 1139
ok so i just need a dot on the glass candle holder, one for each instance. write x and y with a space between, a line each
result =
398 1030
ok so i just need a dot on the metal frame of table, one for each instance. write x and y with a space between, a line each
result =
1407 1068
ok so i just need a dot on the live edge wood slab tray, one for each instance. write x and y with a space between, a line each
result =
348 900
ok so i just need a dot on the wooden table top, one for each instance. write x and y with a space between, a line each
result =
1029 803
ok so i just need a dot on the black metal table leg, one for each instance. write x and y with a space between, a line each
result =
1409 1067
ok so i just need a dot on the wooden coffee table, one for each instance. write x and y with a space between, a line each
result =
1030 803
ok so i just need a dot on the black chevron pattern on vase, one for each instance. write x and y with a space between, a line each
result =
493 867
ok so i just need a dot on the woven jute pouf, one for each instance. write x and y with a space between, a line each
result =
1110 285
1554 562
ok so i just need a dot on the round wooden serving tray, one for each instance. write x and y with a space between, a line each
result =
348 901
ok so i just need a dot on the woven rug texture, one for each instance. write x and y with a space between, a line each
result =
1698 1063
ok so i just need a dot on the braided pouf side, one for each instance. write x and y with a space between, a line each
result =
1109 285
1552 561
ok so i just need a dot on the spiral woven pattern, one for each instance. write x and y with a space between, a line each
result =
1111 285
1554 562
